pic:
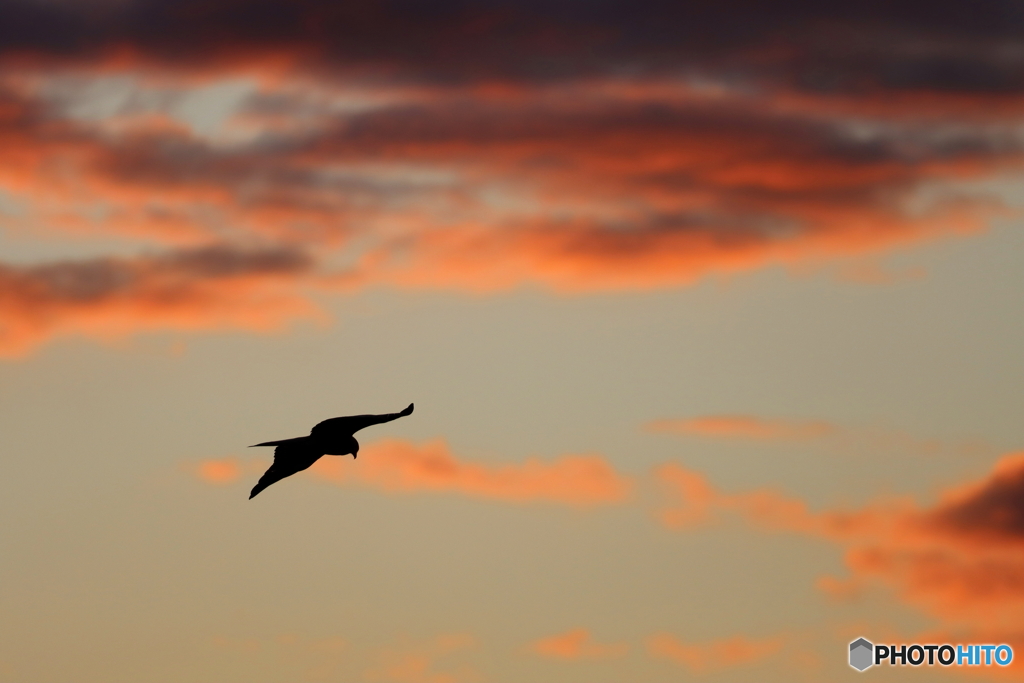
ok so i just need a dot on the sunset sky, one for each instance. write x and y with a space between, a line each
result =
712 313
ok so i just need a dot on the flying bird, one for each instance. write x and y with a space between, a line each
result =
330 437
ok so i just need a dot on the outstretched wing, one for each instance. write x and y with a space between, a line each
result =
353 423
290 457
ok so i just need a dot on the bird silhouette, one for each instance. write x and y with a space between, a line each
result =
330 437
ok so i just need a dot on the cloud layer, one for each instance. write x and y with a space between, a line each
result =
961 560
813 47
710 656
218 288
397 466
618 146
401 467
578 644
742 427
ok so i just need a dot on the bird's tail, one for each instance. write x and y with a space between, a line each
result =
290 456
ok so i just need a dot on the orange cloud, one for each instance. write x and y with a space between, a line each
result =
577 644
584 256
226 470
596 184
871 273
219 471
713 655
402 467
742 427
418 664
753 428
214 288
961 560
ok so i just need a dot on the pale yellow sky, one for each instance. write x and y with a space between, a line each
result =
121 565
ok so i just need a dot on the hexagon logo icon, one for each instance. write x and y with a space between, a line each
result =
861 654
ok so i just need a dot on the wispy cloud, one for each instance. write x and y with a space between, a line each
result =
397 466
227 470
420 664
714 655
511 151
401 467
219 471
959 560
821 434
577 644
742 427
217 288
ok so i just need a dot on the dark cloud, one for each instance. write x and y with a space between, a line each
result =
597 187
992 509
608 142
484 145
959 560
899 44
217 287
171 274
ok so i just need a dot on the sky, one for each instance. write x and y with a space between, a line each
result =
711 314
